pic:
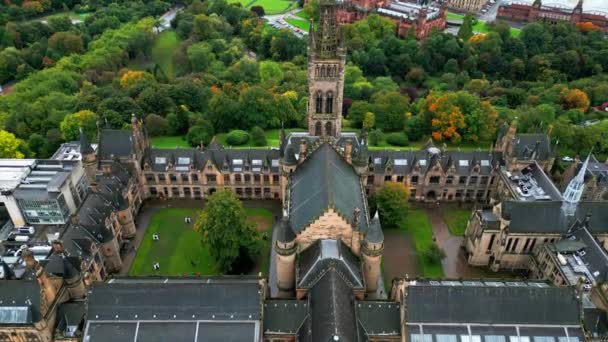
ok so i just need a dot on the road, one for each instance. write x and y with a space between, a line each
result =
165 19
490 15
278 21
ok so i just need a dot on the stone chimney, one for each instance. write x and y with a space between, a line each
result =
106 169
58 246
303 151
348 151
74 218
50 293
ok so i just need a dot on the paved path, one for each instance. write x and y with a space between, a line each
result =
279 19
152 206
166 18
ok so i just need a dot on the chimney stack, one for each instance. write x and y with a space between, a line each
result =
348 151
302 150
58 247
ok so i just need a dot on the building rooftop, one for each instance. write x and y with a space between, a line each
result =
70 151
530 184
409 10
589 6
13 172
45 179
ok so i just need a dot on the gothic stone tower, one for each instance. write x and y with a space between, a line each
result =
326 58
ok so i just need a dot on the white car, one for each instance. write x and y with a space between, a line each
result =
567 159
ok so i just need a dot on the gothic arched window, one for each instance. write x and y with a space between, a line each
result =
329 102
323 71
328 130
318 128
319 102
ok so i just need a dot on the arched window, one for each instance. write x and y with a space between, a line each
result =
317 71
319 102
323 71
329 102
328 130
318 128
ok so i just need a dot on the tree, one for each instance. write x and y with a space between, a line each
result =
72 123
201 133
392 203
10 146
156 125
200 56
369 120
270 72
233 242
466 30
434 254
258 137
446 118
65 43
259 10
574 99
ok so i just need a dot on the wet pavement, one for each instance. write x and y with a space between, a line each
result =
399 256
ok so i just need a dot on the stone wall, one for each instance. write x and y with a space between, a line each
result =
329 226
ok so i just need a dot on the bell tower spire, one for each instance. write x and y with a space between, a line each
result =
326 59
574 191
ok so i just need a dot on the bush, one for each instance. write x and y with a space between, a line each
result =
397 139
375 137
434 254
258 137
237 138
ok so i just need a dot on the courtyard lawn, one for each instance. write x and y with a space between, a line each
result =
169 142
302 14
273 6
481 27
456 219
417 223
180 250
272 138
242 2
163 50
415 145
299 23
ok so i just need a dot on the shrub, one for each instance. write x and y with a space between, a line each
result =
375 137
237 137
258 137
397 139
434 254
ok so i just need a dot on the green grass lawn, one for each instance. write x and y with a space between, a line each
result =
480 27
71 14
242 2
302 14
463 145
299 23
272 138
180 250
169 142
163 51
417 224
456 219
273 6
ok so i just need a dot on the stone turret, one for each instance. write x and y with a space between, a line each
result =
285 248
48 288
89 158
72 276
303 151
372 248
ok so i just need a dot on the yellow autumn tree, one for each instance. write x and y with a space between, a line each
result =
131 78
446 118
9 145
574 99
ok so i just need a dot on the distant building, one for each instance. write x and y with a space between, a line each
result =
422 19
554 11
472 6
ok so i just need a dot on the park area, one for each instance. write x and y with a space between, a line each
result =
269 6
179 250
480 25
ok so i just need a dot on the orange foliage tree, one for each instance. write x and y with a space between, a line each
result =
574 99
134 77
587 26
447 118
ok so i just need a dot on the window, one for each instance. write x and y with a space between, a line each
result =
161 177
447 338
329 102
470 338
400 162
172 178
494 338
319 102
256 178
370 180
434 180
387 178
197 192
247 178
211 178
175 191
194 178
473 180
258 192
187 192
462 180
275 178
400 179
483 180
237 178
160 160
449 180
414 180
185 178
463 163
266 178
491 243
150 178
226 179
153 192
421 338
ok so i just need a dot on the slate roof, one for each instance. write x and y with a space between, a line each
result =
61 265
324 179
19 302
332 312
547 217
284 231
284 316
379 318
115 143
489 304
532 147
227 160
70 314
324 256
171 309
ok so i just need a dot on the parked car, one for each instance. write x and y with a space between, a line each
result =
567 159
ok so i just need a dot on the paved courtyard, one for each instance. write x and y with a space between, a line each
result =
399 256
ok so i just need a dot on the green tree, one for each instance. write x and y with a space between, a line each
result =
258 137
392 203
434 254
466 30
270 72
10 146
200 56
369 120
156 125
233 242
202 132
72 123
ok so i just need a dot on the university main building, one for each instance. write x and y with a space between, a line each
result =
71 215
